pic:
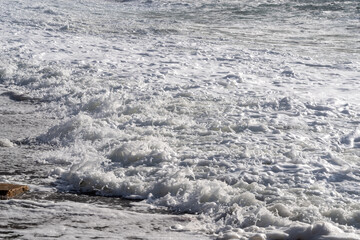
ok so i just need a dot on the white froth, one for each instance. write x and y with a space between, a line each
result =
6 143
243 112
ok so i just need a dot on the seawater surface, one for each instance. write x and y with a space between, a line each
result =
244 114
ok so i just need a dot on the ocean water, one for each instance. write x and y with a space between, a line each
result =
209 119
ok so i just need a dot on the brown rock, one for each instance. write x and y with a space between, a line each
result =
8 190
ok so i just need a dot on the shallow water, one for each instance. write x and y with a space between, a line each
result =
244 113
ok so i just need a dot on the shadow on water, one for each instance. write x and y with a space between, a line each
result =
90 198
21 97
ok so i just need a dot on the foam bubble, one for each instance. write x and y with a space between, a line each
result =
6 143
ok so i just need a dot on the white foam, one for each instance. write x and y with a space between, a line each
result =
6 143
237 113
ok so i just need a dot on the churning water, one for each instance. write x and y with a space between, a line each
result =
243 114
